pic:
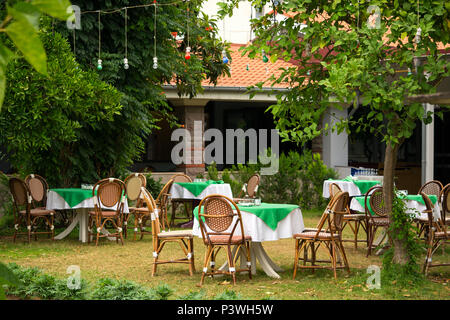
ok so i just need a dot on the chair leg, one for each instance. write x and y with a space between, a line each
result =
249 259
191 262
370 237
296 258
231 264
344 256
205 263
333 255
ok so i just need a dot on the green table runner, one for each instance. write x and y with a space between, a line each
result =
270 213
73 196
411 197
197 187
363 185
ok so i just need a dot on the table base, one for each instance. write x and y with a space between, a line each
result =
82 219
257 252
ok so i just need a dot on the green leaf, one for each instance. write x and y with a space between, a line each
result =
26 39
54 8
24 11
5 56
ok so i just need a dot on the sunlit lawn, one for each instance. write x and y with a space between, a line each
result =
133 262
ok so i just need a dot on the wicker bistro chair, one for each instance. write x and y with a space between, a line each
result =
110 193
353 219
219 217
162 202
438 234
250 188
160 237
380 218
328 234
25 215
188 204
432 187
133 184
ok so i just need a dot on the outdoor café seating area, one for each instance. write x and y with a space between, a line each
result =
123 211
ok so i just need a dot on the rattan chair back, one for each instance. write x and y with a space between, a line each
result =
334 189
151 205
439 225
217 214
133 184
445 203
337 211
20 192
376 202
181 177
252 185
432 187
163 196
109 192
38 188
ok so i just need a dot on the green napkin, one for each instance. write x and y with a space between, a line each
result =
418 198
270 213
365 185
197 187
73 196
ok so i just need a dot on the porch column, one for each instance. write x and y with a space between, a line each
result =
428 147
335 146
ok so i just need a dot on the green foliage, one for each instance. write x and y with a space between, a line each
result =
162 292
193 295
49 125
21 23
402 228
144 102
112 289
33 283
228 295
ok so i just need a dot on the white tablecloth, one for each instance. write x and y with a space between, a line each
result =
259 231
346 186
178 192
414 207
56 202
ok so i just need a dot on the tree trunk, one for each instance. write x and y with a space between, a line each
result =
390 162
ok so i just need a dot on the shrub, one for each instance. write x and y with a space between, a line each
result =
153 186
48 124
228 295
194 295
111 289
162 292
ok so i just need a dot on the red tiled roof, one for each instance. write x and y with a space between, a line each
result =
257 70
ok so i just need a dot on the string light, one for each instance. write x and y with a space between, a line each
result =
224 57
99 61
125 60
155 58
264 59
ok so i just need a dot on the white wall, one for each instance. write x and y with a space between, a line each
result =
234 29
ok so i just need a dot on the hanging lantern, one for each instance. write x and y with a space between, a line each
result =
99 64
418 35
125 64
224 57
264 59
174 34
247 67
409 72
187 56
155 63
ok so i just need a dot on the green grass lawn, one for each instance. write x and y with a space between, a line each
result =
133 262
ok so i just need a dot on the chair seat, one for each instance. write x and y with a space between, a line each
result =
39 212
105 213
312 234
441 235
379 221
355 216
177 233
138 210
219 239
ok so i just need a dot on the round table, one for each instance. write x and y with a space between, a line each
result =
260 231
80 200
349 186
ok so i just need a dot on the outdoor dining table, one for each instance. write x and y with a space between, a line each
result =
80 200
354 186
266 222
